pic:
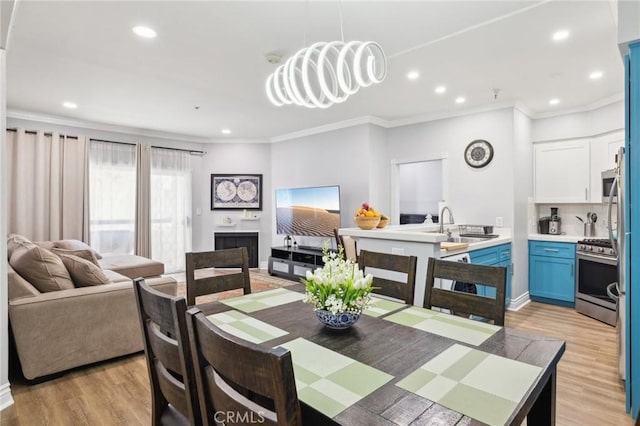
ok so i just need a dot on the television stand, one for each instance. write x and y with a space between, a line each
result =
310 248
292 263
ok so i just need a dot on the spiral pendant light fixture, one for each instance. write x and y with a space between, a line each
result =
326 73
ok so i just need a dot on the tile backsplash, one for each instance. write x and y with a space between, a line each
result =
570 225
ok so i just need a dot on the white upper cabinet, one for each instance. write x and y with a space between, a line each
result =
603 155
562 172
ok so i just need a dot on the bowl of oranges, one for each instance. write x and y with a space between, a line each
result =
367 217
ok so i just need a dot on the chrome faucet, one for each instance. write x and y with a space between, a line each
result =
441 220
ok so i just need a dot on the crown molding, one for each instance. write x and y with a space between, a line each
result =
330 127
422 118
92 125
586 108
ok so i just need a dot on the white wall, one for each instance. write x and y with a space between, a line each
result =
5 390
475 196
339 157
237 157
379 171
522 193
579 125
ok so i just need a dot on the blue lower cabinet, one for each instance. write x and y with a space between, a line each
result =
494 256
552 269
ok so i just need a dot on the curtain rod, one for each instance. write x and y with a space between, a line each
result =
35 132
190 151
103 140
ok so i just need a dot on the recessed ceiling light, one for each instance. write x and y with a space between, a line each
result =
145 32
440 90
560 35
413 75
461 100
226 131
554 101
595 75
70 105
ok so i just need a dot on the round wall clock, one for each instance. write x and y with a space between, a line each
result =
478 153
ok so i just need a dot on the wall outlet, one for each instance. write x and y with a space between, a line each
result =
198 211
499 221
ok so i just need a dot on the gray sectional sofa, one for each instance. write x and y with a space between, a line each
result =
58 325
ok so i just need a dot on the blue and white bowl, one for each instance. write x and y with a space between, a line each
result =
339 321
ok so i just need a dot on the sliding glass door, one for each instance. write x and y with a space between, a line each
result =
170 207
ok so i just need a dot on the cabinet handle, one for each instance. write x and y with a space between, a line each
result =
551 250
572 267
586 194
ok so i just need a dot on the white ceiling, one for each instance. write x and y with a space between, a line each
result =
212 55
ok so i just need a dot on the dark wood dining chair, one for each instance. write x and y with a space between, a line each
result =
385 286
174 397
227 258
456 301
348 244
235 377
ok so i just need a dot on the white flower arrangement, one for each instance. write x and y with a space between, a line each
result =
339 286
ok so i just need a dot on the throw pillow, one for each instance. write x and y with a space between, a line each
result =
17 242
83 254
76 245
41 268
83 272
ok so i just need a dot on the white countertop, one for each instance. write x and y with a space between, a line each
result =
557 238
416 233
425 233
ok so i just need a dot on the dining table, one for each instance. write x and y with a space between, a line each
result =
401 364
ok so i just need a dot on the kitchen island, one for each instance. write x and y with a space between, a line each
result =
422 241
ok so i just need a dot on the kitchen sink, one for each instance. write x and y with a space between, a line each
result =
469 240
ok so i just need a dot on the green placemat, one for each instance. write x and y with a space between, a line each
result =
451 326
245 327
328 381
381 307
482 386
263 300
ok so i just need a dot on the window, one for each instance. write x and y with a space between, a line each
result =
112 197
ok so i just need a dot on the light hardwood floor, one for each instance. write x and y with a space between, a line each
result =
117 392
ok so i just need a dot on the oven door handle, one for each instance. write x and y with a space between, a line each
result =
610 293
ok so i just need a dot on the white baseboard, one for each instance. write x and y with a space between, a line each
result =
264 265
6 399
519 302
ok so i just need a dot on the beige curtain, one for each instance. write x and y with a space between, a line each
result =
143 201
47 185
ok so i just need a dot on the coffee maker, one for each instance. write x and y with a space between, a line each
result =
554 222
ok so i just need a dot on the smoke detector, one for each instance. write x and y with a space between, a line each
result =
273 58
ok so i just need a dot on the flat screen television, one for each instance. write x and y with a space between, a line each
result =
313 212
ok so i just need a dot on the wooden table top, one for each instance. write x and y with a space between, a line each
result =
399 350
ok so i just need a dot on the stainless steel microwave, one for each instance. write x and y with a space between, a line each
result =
607 185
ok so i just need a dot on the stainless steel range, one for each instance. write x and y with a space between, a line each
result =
597 268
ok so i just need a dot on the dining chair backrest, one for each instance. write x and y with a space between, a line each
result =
227 258
348 244
168 355
252 382
486 307
395 263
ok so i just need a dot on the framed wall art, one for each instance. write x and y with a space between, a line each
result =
236 192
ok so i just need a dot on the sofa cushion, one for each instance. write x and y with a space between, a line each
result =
82 271
17 242
19 287
115 277
132 266
41 268
83 254
75 245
